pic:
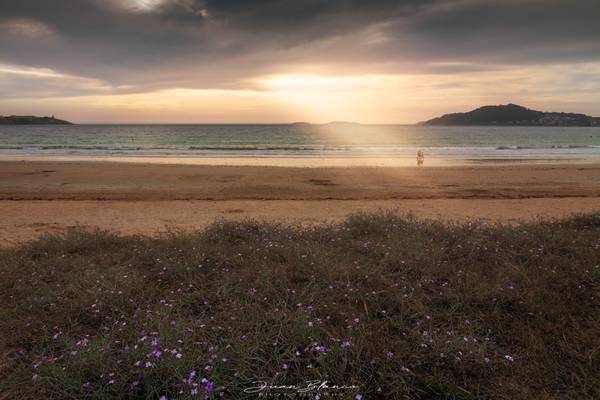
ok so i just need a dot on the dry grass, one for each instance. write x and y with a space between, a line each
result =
397 307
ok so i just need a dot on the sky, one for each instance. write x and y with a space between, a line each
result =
277 61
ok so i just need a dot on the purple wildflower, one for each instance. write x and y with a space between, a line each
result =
320 349
345 344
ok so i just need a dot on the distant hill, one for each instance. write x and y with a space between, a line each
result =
31 120
513 114
342 123
301 123
329 124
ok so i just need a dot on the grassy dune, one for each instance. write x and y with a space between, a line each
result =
380 305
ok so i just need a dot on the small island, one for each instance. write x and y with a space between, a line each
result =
31 120
328 124
512 115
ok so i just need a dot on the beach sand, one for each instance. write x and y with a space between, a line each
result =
148 198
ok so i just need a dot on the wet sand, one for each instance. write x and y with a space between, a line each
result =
49 196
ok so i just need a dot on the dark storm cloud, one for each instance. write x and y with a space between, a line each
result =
508 31
223 43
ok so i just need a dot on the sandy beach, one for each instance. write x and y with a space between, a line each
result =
148 198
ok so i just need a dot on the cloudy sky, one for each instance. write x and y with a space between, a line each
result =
379 61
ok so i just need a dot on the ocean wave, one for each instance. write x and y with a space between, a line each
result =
286 147
267 148
568 146
304 150
79 147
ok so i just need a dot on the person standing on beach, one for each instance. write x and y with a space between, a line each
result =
420 158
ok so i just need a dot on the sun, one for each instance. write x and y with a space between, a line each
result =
339 97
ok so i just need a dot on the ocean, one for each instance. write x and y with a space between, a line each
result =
302 140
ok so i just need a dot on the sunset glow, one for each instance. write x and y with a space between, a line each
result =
204 61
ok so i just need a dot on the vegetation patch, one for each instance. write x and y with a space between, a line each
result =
379 306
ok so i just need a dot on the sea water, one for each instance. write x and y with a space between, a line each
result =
302 140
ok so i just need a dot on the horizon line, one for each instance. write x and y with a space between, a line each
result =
324 124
